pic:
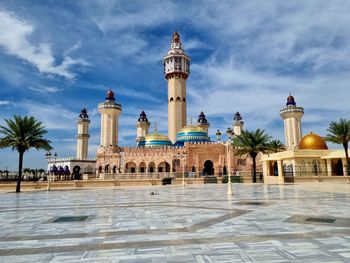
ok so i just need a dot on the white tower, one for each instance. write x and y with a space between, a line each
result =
110 112
142 127
237 124
176 71
83 135
203 122
291 114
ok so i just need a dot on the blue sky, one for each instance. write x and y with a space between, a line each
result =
60 56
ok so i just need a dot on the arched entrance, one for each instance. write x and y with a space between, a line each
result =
164 167
151 167
142 167
224 171
337 167
208 168
130 167
76 172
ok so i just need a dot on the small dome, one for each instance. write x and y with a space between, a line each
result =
202 119
110 95
312 141
290 101
237 116
83 114
191 133
143 117
155 140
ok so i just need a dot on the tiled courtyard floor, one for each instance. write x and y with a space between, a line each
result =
260 223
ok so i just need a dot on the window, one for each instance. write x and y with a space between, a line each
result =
178 99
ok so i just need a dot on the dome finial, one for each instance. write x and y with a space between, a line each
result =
176 37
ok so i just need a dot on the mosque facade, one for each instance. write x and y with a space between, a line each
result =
186 149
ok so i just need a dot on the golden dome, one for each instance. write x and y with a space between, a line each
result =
155 140
191 128
156 137
312 141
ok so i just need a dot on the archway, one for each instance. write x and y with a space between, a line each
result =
142 167
107 169
164 167
151 167
338 167
99 169
130 167
208 168
224 170
76 172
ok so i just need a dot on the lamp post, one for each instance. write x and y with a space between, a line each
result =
230 134
182 155
48 157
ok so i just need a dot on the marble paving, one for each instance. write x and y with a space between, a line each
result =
260 223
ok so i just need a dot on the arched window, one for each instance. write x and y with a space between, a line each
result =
171 99
184 99
178 99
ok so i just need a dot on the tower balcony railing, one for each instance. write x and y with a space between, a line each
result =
292 109
110 105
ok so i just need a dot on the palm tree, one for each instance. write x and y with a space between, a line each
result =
252 143
21 134
276 146
339 133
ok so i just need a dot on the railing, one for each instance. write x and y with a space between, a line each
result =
13 176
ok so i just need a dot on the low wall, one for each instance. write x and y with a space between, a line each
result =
300 179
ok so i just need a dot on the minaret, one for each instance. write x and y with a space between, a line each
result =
237 124
142 127
291 114
83 135
110 112
202 122
176 71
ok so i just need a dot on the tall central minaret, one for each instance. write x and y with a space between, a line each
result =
176 71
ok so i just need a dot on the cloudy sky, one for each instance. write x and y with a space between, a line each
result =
58 57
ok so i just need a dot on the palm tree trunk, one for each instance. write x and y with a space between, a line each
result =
347 158
20 164
254 169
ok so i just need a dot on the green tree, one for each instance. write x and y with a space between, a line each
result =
276 146
252 143
21 134
339 133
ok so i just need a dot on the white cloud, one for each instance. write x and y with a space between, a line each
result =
14 38
4 102
53 117
45 89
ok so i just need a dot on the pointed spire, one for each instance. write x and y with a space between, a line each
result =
176 37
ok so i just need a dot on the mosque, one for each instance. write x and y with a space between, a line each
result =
306 157
187 149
